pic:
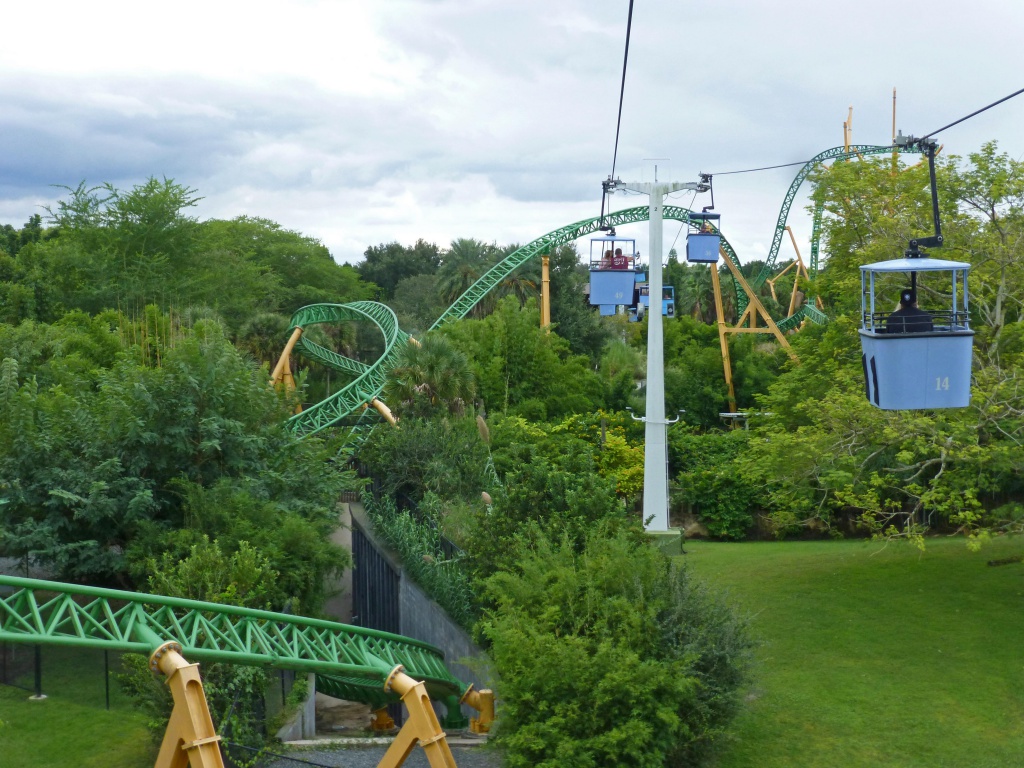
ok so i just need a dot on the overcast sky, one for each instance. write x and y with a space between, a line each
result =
370 121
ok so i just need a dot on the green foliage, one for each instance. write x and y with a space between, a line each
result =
552 488
445 456
272 269
101 463
514 361
388 264
709 481
607 655
432 376
114 249
207 573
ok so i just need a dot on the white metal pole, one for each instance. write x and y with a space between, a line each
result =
656 432
656 427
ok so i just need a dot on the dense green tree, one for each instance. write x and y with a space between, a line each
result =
273 269
388 264
463 264
109 435
610 655
514 361
417 303
444 456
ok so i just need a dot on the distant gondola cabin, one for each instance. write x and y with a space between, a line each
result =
612 269
703 245
915 356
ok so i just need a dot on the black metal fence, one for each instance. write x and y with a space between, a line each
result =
375 586
18 665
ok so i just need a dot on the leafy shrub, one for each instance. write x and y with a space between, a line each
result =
712 483
565 498
444 455
610 656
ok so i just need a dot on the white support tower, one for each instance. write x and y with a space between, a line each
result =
656 427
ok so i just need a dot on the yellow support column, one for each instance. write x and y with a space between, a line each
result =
722 340
545 293
422 725
190 740
282 373
483 702
384 411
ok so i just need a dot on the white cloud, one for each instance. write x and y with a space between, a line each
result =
362 123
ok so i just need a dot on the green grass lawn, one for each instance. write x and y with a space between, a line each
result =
876 655
72 726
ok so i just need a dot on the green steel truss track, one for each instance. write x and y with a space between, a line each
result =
369 380
350 662
544 244
836 153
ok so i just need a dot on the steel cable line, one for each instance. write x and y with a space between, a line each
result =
891 146
622 93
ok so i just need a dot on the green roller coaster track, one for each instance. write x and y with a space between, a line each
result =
350 663
369 381
838 154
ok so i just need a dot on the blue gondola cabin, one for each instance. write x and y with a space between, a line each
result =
703 245
915 357
612 270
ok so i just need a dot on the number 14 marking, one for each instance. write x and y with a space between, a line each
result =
941 383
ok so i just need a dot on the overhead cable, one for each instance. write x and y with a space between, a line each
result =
891 146
622 92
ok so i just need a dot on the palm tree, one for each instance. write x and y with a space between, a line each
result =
263 336
430 377
524 283
462 265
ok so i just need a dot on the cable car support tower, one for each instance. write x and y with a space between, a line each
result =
656 427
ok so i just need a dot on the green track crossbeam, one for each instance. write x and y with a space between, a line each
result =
350 662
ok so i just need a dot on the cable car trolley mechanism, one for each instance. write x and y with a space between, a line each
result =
914 357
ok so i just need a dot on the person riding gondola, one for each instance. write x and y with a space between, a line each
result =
909 318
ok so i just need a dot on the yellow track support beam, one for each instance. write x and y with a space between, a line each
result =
282 374
722 330
384 411
190 740
483 702
545 292
422 725
754 309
